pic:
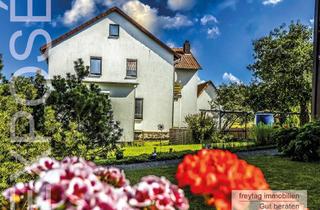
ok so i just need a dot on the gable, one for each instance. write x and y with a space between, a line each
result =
206 86
100 17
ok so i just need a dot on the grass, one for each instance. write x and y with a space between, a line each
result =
148 147
281 174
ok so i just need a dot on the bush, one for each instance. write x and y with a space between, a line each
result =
161 156
203 127
283 137
306 145
300 144
81 117
263 134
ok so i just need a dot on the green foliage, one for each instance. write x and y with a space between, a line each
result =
301 144
80 117
10 164
222 138
263 134
203 127
144 158
232 97
119 153
306 146
283 71
283 137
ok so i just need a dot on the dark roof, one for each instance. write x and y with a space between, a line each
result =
186 60
99 17
205 85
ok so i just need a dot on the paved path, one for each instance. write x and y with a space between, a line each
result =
168 163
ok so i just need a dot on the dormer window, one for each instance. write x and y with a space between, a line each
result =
114 30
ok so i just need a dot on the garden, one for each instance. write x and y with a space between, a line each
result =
84 141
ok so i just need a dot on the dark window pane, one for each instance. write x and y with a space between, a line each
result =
114 30
139 108
132 66
95 66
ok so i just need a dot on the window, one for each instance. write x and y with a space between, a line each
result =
132 67
95 65
138 114
114 30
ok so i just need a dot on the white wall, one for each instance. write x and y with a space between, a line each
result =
208 95
155 65
187 104
122 101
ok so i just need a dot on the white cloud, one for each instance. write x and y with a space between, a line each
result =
112 3
181 4
175 22
213 32
231 78
80 9
142 13
208 19
149 18
271 2
171 44
225 4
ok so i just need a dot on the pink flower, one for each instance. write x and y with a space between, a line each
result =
76 184
158 193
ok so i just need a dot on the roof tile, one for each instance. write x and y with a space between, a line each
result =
186 61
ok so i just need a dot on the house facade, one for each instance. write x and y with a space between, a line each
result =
136 69
207 92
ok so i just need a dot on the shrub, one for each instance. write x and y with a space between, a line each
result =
222 138
306 145
300 144
82 117
263 134
203 127
283 137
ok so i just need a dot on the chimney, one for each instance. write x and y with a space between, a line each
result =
186 47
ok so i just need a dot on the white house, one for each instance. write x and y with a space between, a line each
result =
138 71
207 92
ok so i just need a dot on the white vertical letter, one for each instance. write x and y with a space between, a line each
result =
31 39
30 17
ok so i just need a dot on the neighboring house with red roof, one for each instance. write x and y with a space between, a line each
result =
186 77
149 83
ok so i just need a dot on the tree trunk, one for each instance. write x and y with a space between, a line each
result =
304 113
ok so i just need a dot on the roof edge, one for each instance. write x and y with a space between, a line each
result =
90 22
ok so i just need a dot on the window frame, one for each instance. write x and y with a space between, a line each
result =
96 58
140 117
131 60
112 25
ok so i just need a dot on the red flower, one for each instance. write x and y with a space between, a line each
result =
215 173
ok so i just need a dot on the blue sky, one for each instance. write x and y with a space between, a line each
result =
220 31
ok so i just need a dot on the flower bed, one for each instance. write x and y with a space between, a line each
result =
77 184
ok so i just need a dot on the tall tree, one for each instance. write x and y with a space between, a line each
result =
282 70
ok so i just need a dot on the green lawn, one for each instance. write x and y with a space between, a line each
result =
281 174
148 147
